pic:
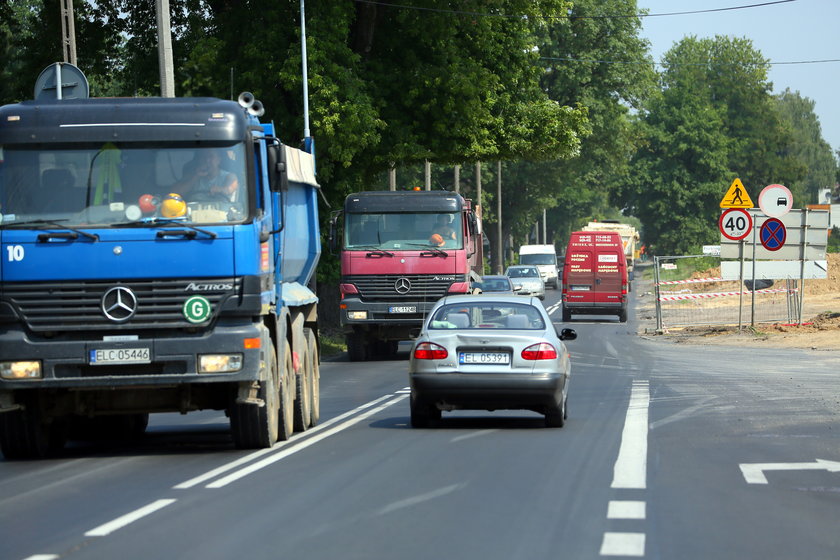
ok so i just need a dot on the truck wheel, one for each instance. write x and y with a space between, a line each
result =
286 415
315 385
24 434
567 315
356 347
622 316
303 395
255 426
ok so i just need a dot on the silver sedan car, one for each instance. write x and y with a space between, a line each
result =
489 352
526 280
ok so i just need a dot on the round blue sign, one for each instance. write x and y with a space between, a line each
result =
773 234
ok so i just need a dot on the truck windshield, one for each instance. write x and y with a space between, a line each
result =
115 183
403 231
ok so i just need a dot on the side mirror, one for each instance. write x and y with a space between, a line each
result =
333 235
567 334
278 177
517 287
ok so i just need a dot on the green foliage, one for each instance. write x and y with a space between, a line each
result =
834 240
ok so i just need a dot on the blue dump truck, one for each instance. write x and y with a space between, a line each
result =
157 256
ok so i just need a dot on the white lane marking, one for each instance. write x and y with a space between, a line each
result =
408 502
623 544
256 454
630 470
254 467
754 472
472 435
626 509
120 522
42 557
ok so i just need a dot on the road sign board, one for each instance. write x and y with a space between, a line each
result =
775 200
807 237
775 270
736 196
735 223
773 234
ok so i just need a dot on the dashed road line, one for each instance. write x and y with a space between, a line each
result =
129 518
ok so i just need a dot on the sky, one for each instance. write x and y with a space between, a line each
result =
799 30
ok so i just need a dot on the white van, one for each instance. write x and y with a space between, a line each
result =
544 257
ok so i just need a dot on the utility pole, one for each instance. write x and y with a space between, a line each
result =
68 32
427 174
545 226
457 178
167 74
500 264
392 177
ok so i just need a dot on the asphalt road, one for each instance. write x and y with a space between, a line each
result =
669 452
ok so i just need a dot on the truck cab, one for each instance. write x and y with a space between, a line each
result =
401 251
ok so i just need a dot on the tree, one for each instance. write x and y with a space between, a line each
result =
714 120
808 147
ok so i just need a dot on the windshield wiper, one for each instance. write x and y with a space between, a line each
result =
430 250
56 224
156 222
374 250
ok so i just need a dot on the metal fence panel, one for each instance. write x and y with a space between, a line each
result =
691 292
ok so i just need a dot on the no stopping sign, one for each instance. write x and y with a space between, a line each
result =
735 223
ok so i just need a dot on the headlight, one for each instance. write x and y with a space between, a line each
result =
20 370
358 315
219 363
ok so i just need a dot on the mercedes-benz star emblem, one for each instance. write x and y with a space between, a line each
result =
402 285
119 304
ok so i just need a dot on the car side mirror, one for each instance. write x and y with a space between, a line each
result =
567 334
517 287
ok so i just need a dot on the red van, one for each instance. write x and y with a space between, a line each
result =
595 275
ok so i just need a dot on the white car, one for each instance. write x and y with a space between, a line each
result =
528 278
489 352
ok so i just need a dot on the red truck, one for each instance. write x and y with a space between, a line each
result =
401 251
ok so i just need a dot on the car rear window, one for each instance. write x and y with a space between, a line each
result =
488 315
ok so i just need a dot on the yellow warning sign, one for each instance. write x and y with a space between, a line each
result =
736 196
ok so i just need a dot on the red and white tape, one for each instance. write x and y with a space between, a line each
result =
690 281
722 294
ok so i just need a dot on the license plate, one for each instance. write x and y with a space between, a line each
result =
403 309
106 356
580 288
484 358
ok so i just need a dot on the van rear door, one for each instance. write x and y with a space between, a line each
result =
608 275
579 275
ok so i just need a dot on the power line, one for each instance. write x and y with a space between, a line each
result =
771 63
522 16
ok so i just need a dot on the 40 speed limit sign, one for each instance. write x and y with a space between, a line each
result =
735 223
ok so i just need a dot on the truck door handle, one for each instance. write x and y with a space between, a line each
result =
597 281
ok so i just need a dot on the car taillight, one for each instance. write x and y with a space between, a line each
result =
541 351
430 351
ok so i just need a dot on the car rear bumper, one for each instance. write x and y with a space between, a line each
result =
489 391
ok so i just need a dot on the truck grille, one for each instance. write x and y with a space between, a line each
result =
423 287
77 306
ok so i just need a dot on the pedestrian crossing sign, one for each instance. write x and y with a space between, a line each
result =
736 196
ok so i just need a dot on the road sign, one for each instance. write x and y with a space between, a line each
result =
775 200
736 196
773 234
735 223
